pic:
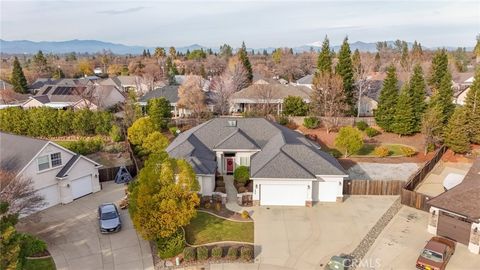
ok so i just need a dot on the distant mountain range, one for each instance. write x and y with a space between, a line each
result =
94 46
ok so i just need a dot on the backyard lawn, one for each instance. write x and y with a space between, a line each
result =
367 150
206 228
43 264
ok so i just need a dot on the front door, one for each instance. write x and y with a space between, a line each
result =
230 165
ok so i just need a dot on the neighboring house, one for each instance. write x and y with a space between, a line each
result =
306 81
40 82
170 93
58 174
286 168
267 97
370 96
91 96
460 95
98 71
455 214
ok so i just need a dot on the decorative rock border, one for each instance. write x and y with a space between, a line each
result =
233 220
39 258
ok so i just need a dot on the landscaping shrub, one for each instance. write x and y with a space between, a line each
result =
116 133
371 132
189 254
207 205
245 214
242 189
84 146
241 174
202 253
311 122
362 125
174 130
217 252
381 151
246 253
220 189
31 245
293 105
335 153
282 120
407 151
232 253
171 246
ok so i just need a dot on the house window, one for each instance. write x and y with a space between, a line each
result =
43 163
56 159
245 161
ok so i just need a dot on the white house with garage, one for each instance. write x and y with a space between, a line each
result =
58 174
286 168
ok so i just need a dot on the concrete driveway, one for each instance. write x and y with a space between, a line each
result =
75 242
400 243
306 238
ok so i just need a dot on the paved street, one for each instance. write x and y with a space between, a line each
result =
74 240
400 243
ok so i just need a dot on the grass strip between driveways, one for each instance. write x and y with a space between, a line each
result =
206 228
37 264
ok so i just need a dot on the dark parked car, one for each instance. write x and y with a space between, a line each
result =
109 218
436 254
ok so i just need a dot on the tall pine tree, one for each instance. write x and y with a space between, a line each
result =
472 106
344 68
324 62
417 91
243 56
18 79
443 97
455 134
404 120
385 113
439 69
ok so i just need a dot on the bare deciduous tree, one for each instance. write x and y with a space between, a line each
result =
328 98
361 71
152 73
19 193
191 96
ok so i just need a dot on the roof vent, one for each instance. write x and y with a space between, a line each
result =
232 123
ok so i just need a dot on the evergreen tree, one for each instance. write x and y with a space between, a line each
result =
443 97
243 56
160 112
439 69
171 70
344 68
404 120
404 61
58 73
417 86
472 106
378 62
417 52
455 134
324 63
18 79
144 54
356 60
384 116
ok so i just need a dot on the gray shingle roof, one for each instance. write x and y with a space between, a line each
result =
17 151
272 91
169 92
284 153
64 170
308 79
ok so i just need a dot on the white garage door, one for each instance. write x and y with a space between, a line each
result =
82 186
283 194
327 191
50 195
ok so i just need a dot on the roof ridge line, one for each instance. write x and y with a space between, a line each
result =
289 156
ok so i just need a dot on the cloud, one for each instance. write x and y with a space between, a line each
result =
122 11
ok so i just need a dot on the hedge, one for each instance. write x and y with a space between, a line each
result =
232 253
241 174
84 146
189 254
217 252
311 122
246 253
171 246
202 253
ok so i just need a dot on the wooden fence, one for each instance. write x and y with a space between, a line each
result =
372 187
108 174
342 121
409 196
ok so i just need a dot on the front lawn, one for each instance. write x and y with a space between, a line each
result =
43 264
368 150
206 228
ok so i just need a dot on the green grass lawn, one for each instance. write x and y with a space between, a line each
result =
367 150
206 228
39 264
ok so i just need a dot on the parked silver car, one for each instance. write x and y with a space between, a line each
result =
109 218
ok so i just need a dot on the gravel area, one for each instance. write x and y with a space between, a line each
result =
376 171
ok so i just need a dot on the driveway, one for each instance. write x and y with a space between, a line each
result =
400 243
75 242
306 238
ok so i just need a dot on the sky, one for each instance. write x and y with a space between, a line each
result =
259 23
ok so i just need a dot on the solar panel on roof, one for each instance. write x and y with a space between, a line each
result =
47 90
56 91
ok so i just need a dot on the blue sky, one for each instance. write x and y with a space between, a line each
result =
259 23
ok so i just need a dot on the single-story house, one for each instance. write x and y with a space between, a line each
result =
370 97
75 103
455 214
170 93
58 174
267 97
40 82
306 81
286 168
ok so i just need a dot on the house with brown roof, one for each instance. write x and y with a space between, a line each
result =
455 214
267 97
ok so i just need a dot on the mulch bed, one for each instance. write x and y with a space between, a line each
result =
41 254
